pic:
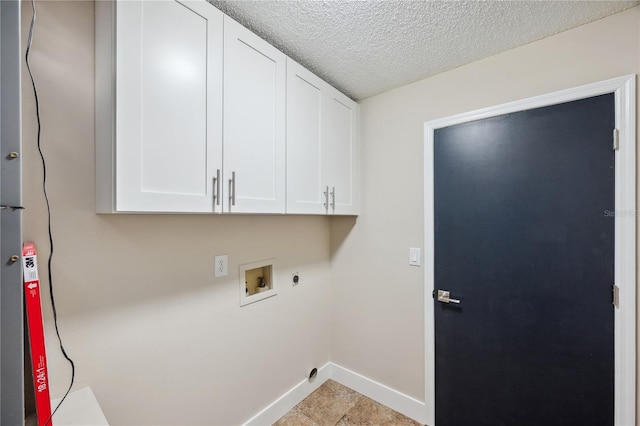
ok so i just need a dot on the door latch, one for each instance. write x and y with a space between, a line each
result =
444 297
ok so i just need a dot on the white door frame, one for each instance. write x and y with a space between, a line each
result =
624 89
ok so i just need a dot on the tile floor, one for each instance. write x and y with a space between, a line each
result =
333 404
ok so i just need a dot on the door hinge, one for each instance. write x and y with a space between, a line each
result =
616 296
616 140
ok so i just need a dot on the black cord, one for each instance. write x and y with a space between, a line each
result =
46 197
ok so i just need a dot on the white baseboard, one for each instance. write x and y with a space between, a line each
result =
393 399
281 406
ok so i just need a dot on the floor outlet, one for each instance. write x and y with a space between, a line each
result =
222 266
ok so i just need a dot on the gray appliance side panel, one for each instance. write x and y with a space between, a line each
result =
11 295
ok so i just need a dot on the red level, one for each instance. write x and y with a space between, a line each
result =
36 333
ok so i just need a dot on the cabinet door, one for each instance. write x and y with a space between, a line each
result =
340 152
254 122
305 98
169 105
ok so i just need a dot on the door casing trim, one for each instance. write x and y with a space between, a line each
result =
624 89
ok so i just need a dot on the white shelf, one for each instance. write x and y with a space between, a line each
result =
80 408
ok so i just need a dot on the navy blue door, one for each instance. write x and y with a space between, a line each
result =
524 239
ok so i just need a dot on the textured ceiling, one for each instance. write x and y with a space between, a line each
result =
366 47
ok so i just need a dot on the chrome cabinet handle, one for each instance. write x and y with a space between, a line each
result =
232 189
216 188
326 199
333 199
443 296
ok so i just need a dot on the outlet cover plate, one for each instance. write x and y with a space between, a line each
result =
221 266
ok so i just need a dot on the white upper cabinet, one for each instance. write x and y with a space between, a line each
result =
340 153
196 114
322 146
254 122
305 109
159 118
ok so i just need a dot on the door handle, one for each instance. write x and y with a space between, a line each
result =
443 296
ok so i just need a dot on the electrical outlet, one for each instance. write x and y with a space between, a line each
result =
222 266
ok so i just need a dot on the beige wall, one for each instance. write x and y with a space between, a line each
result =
159 340
377 298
